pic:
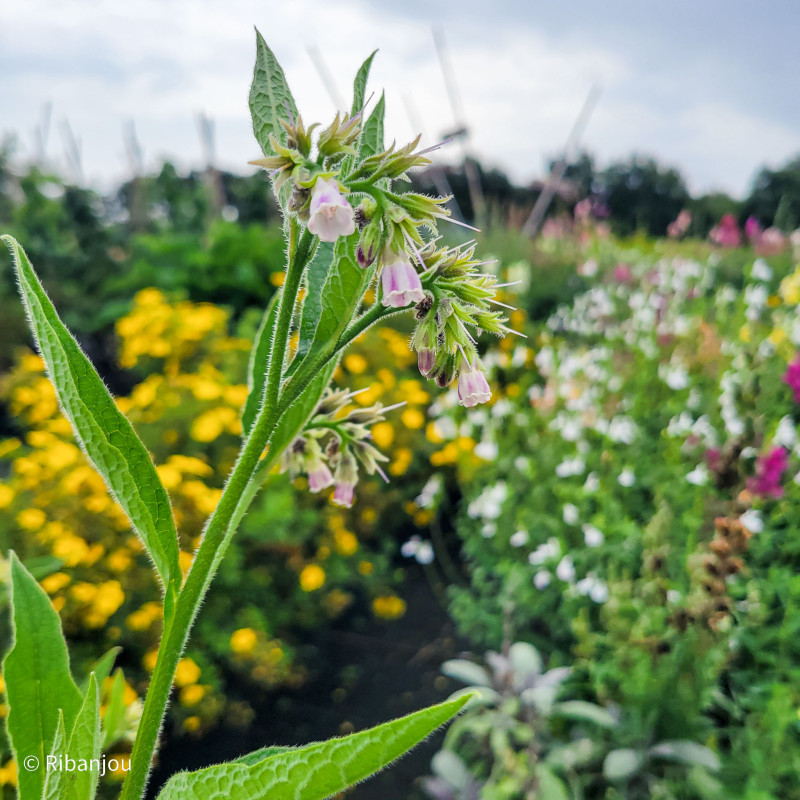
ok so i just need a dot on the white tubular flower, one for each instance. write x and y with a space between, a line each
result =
331 216
400 281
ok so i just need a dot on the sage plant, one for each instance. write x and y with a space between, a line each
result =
358 250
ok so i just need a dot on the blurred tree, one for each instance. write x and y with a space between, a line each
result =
708 209
775 190
642 195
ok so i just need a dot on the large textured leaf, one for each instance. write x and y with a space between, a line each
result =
300 411
371 141
315 277
84 745
316 771
104 433
37 676
270 97
259 365
342 293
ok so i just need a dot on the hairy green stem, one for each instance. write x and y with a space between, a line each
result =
236 497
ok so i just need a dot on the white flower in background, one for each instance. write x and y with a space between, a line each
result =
592 536
761 270
749 452
522 464
599 592
541 580
427 497
588 269
571 466
565 571
486 450
546 551
592 483
446 428
519 356
673 596
570 514
420 549
545 360
488 530
699 475
785 434
755 298
502 408
676 378
489 503
752 520
622 429
519 539
626 478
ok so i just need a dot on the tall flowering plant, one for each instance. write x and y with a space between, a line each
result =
358 251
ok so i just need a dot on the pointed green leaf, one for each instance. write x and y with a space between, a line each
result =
360 84
115 711
685 751
270 98
84 745
371 141
259 365
316 771
590 712
37 676
619 765
54 778
467 672
102 667
315 277
550 786
104 433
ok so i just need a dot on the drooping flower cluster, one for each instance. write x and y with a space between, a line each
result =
449 294
335 441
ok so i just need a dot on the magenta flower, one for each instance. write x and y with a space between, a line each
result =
727 233
769 471
331 216
319 478
752 229
401 283
473 388
792 377
622 273
678 227
770 243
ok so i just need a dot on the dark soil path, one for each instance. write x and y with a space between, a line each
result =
363 672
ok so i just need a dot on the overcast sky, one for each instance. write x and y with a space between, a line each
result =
709 87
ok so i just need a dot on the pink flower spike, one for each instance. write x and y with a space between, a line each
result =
769 472
473 388
401 284
792 377
331 216
343 494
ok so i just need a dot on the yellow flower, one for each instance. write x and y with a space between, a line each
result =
6 496
70 549
149 660
192 695
187 672
31 518
402 461
790 288
366 567
744 334
346 542
8 773
382 434
312 578
389 607
55 582
243 641
355 363
413 418
777 337
119 561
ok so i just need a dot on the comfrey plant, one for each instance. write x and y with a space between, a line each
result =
356 254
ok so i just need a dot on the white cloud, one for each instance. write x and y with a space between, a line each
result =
160 63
